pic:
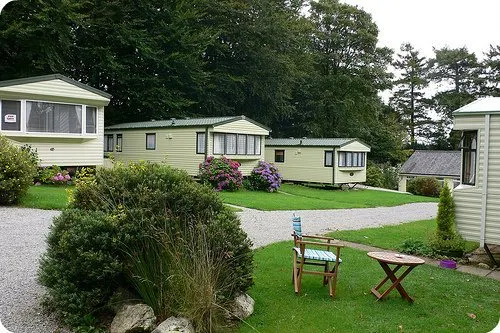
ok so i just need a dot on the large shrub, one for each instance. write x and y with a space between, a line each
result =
221 173
136 205
374 175
264 177
17 170
427 186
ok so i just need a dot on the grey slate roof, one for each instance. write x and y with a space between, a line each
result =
481 105
326 142
192 122
433 163
49 77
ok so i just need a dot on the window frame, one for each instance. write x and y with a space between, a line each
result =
470 152
328 152
106 143
154 141
276 156
347 159
198 151
119 143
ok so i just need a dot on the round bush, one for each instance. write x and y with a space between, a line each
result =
130 206
221 173
264 177
374 175
18 167
426 186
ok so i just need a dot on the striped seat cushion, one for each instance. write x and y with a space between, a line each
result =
317 254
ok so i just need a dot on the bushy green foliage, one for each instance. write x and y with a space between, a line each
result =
82 265
446 238
17 169
221 173
374 175
426 186
132 206
53 175
415 246
381 175
264 177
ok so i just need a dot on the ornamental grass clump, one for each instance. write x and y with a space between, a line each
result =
221 173
264 177
18 167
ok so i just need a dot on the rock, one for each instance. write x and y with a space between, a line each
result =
133 319
175 324
242 307
483 265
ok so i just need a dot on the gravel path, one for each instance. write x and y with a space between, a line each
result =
268 227
23 232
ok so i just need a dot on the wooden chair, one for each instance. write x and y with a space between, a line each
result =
304 253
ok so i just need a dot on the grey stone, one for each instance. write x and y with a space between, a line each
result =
483 265
242 307
175 324
133 319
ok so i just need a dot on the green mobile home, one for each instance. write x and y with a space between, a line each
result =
62 118
477 198
185 143
330 161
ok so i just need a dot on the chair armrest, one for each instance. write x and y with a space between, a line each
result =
339 245
318 237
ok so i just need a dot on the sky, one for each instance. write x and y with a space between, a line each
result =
435 23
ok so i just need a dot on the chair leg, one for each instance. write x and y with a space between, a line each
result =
295 273
326 270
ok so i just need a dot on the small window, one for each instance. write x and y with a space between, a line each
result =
219 143
279 156
328 158
469 148
108 143
119 140
200 143
11 116
150 141
242 144
231 144
90 122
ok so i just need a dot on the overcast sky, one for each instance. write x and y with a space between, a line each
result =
427 23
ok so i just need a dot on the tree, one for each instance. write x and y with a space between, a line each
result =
408 93
491 64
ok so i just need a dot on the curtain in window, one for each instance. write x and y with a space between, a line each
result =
250 145
90 119
219 146
53 117
200 143
231 144
242 144
329 158
257 145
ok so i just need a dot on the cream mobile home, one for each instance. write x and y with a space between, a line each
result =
185 143
477 198
330 161
62 118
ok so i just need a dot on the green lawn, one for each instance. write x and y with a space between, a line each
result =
46 197
392 236
445 300
298 197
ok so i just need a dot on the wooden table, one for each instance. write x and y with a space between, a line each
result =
388 258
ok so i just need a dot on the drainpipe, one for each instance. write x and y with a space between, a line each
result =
484 194
206 143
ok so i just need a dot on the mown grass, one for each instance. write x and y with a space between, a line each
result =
392 236
445 300
46 197
297 197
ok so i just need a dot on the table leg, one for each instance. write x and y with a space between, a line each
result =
396 282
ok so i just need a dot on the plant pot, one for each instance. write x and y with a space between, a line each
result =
447 263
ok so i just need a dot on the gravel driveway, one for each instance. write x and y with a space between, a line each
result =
23 232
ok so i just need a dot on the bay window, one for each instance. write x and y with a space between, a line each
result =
351 159
53 117
236 144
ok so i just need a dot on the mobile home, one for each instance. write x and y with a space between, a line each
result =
477 198
185 143
61 118
329 161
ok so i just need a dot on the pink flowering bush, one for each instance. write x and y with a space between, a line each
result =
264 177
221 173
54 175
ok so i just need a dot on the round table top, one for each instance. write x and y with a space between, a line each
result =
396 258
